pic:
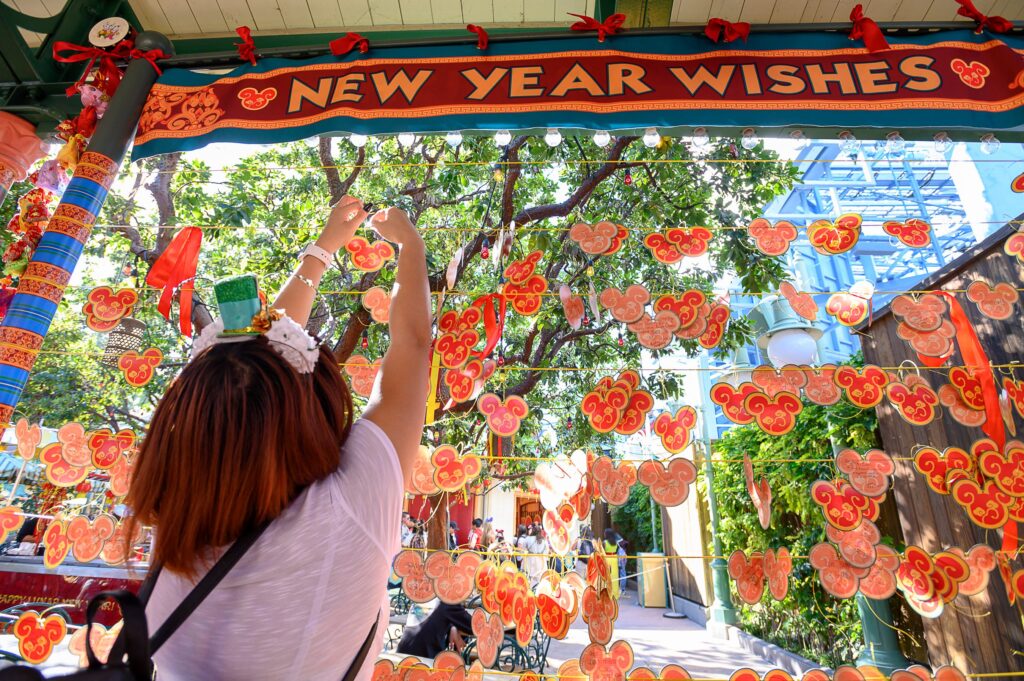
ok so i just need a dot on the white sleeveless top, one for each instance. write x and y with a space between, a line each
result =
301 601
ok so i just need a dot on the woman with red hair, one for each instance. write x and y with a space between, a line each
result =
258 430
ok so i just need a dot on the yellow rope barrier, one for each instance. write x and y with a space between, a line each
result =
476 230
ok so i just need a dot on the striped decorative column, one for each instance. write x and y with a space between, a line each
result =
42 285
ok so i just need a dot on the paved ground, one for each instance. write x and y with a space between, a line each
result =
658 641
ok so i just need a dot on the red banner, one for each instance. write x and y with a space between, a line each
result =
951 77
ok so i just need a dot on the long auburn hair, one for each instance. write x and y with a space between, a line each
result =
238 435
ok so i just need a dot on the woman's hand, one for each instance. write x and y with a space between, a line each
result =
394 225
346 216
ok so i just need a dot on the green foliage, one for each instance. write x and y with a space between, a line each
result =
633 521
808 621
267 206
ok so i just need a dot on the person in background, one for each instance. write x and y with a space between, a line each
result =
407 528
418 540
443 629
519 545
476 535
611 557
453 540
535 562
584 549
265 412
621 550
498 546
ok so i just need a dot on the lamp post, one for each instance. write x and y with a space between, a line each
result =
722 611
789 339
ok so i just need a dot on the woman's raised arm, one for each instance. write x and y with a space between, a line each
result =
399 398
298 293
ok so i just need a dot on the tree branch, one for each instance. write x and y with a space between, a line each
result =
330 168
512 170
586 188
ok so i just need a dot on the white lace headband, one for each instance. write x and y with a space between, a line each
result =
285 335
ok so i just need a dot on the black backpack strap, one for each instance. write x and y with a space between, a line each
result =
201 590
357 664
134 633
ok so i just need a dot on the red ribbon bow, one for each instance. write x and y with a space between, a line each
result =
176 267
246 48
151 56
481 35
609 26
348 42
726 30
866 29
994 24
70 53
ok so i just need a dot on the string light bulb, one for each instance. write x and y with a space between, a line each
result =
502 138
628 179
553 138
848 144
485 251
652 137
365 342
700 138
590 270
454 138
602 138
749 139
800 140
356 140
989 143
941 143
406 139
895 145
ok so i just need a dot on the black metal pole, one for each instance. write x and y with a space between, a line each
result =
42 285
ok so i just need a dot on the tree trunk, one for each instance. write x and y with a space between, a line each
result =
437 527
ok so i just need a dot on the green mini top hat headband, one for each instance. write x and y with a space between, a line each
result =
243 317
238 299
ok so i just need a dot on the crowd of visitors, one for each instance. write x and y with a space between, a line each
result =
529 548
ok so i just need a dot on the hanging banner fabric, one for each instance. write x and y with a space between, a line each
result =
944 81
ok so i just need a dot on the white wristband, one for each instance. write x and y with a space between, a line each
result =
321 254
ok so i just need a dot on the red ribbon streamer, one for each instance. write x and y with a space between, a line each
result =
246 48
867 30
494 321
727 31
977 362
481 35
609 26
348 42
994 24
176 267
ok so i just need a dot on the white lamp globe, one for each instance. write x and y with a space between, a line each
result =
406 139
357 140
502 138
602 138
652 137
791 346
553 138
453 138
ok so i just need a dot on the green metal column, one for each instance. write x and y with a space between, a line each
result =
722 610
